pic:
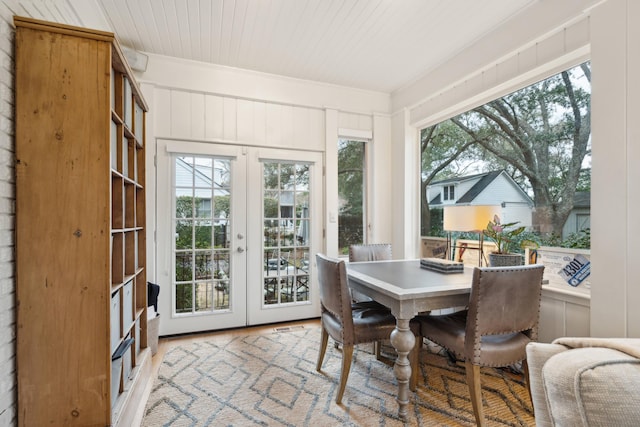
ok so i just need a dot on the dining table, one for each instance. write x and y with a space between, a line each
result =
408 289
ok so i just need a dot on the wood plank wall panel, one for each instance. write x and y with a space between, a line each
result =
259 122
567 44
162 111
245 121
198 116
213 118
214 112
274 130
180 113
300 125
230 119
286 121
563 316
355 121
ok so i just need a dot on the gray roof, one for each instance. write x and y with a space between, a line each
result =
478 187
582 199
459 178
484 179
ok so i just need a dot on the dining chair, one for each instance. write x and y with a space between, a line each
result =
501 319
368 252
349 324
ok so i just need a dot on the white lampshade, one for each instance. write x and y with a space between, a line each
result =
469 218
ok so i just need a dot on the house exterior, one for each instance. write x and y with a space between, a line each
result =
490 188
580 216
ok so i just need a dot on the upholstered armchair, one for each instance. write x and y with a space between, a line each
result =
587 382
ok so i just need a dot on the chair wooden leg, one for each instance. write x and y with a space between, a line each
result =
414 361
347 354
475 390
377 350
324 339
525 372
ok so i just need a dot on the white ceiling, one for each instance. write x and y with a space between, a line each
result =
379 45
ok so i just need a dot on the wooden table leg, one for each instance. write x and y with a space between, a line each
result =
403 341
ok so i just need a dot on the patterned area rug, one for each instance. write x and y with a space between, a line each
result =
270 380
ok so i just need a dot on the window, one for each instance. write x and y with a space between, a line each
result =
351 193
449 193
537 138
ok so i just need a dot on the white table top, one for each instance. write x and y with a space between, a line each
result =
407 288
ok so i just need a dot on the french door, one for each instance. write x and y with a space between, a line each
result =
238 229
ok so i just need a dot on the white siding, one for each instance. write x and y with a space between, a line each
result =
498 191
501 191
520 213
577 220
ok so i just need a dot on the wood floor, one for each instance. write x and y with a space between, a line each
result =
166 343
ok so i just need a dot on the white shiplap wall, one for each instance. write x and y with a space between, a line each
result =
204 103
191 115
549 54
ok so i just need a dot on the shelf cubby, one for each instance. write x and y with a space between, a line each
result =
100 359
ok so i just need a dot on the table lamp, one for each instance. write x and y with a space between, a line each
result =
469 218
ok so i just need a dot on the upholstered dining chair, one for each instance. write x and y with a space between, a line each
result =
349 324
501 319
368 252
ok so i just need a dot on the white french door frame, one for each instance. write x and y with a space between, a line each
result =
257 312
171 322
246 236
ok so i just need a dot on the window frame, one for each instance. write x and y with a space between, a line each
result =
366 158
449 193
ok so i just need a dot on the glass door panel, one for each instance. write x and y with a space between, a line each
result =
238 229
286 250
202 261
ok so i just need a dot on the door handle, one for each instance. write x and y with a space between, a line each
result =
240 249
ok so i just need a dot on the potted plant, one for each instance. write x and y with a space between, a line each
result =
503 235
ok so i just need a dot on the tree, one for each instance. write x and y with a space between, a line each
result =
543 132
350 176
441 146
350 193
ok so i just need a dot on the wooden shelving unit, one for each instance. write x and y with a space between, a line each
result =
82 356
